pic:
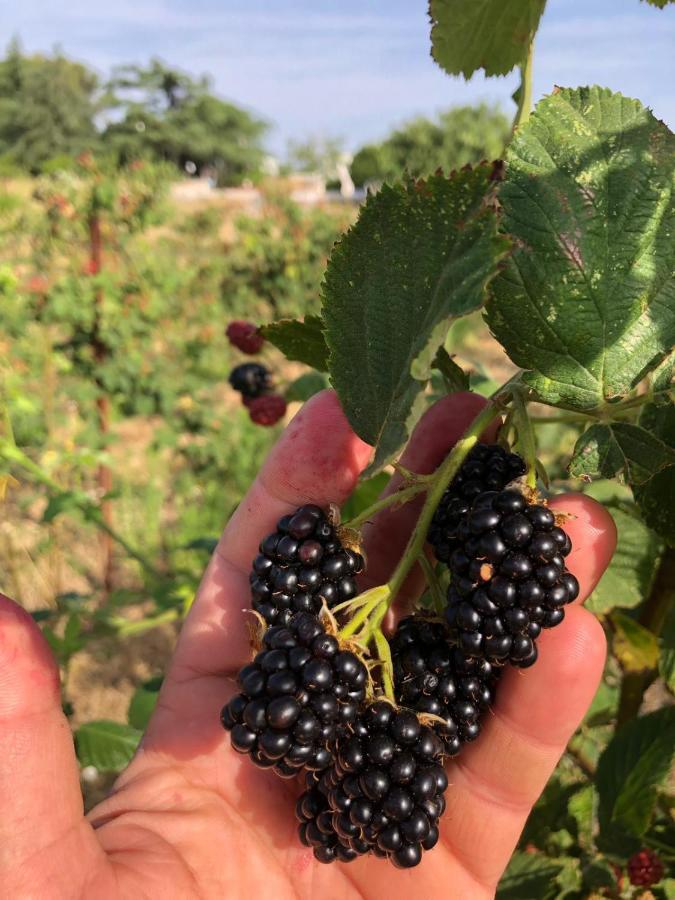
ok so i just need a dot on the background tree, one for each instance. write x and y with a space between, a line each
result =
465 134
47 108
168 115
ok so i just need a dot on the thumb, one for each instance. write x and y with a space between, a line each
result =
41 813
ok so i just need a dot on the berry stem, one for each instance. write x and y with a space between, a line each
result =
435 490
378 595
526 441
524 92
384 655
398 497
432 582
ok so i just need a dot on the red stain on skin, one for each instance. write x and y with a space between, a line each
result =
301 861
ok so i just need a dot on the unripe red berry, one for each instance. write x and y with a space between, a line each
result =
245 336
645 868
267 410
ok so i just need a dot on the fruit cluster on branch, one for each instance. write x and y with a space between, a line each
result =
368 721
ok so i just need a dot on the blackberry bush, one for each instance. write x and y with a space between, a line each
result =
299 692
433 676
509 578
383 794
301 566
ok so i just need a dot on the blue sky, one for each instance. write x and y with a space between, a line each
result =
350 68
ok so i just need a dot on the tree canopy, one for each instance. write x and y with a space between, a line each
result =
52 107
465 134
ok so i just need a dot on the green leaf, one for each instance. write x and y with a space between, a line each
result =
660 4
620 449
420 254
632 767
306 386
629 576
455 378
108 746
603 708
656 499
667 658
636 648
300 341
467 35
529 876
587 300
142 704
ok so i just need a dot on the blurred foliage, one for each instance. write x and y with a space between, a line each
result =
465 134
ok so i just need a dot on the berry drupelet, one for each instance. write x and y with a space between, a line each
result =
301 566
509 578
251 380
432 676
245 336
296 696
384 790
487 467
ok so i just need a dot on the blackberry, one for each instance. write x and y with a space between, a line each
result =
267 410
509 578
645 868
487 467
302 565
245 336
384 791
251 380
316 828
297 695
432 676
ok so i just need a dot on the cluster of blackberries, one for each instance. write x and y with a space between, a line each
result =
253 380
432 676
297 696
509 578
384 792
487 467
506 558
301 566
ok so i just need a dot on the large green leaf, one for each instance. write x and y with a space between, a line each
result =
587 300
467 35
529 876
621 449
656 499
632 767
300 341
420 254
108 746
629 576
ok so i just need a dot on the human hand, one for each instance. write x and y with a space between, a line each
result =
191 818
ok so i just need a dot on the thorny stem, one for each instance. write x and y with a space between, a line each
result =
432 582
526 439
398 497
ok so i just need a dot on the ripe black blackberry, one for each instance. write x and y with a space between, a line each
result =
316 827
384 790
297 694
433 676
487 467
251 379
509 578
301 566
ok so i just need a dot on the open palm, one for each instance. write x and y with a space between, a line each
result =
190 817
